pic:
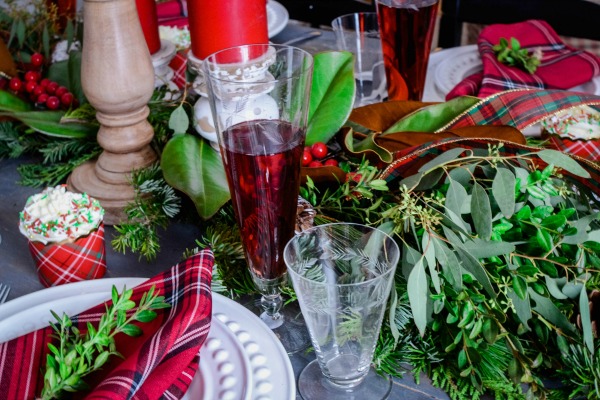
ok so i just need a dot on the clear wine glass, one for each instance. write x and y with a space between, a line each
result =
342 274
259 100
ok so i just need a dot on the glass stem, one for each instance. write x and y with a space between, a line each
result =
271 305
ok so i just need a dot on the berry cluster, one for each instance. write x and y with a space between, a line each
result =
317 155
43 92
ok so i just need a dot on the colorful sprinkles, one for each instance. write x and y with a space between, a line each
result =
56 215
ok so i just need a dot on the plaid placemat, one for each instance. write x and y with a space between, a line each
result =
160 364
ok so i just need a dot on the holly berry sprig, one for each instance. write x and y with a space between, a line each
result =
44 93
318 155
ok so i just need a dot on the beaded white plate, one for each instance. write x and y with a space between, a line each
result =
241 359
277 17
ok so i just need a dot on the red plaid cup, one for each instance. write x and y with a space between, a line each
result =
83 259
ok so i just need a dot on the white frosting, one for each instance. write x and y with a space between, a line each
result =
576 123
57 215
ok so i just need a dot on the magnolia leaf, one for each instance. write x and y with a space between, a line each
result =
481 212
331 96
444 158
485 249
74 83
429 254
11 102
450 264
417 295
366 144
546 308
586 320
179 121
522 307
50 123
503 189
433 117
563 161
192 166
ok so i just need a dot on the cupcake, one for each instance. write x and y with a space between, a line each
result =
576 131
66 235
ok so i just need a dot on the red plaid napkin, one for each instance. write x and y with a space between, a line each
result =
562 66
179 66
159 364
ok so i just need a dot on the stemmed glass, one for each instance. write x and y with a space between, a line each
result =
342 274
259 98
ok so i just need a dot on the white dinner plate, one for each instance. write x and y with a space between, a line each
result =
460 62
277 17
241 359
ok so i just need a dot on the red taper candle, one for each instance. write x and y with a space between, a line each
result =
149 21
218 24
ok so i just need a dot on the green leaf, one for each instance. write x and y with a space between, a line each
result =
417 295
563 161
586 320
368 143
473 266
449 262
49 123
331 96
481 212
485 249
179 121
522 307
503 189
145 316
192 166
101 359
554 222
553 288
456 197
13 103
444 158
131 330
74 75
429 254
490 330
434 117
520 286
544 239
546 308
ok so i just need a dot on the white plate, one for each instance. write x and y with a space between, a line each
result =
241 359
277 17
460 62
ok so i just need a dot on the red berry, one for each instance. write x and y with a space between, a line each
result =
319 150
51 87
52 102
315 164
38 90
60 91
44 82
32 76
66 99
37 59
42 98
30 86
306 158
332 162
15 84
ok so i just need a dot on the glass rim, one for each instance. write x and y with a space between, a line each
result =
307 67
317 227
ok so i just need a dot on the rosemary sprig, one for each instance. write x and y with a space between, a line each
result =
79 354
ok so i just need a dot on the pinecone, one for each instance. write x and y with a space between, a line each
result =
305 215
594 302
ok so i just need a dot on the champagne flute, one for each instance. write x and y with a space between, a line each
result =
259 100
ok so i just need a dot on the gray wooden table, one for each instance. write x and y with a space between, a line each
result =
17 268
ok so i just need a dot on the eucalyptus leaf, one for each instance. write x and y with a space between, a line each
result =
392 315
472 265
444 158
582 225
449 262
331 96
546 308
553 287
481 212
456 196
586 321
429 254
410 257
417 295
192 166
564 161
503 189
485 249
522 307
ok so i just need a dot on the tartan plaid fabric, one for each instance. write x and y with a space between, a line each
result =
562 66
179 66
76 261
589 149
158 365
520 108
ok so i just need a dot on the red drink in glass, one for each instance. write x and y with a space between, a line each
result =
262 160
406 28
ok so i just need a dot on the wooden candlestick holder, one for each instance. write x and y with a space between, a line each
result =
117 78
